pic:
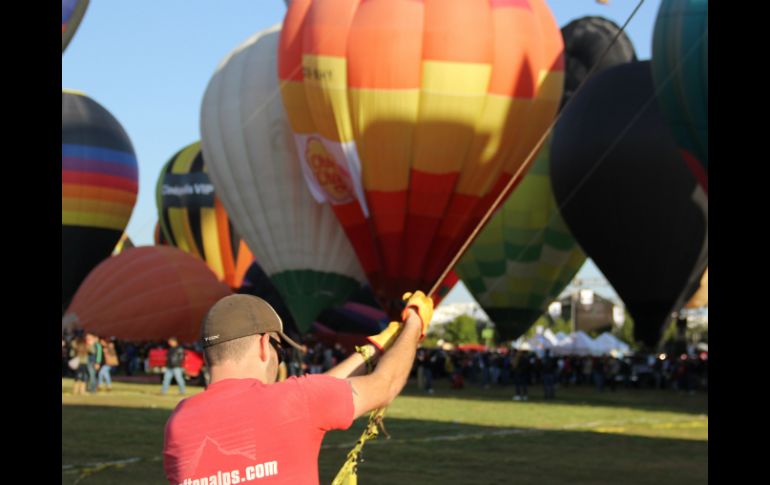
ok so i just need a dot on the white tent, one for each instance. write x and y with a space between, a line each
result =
521 344
552 339
577 343
607 343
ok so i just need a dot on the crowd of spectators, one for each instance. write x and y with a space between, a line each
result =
686 372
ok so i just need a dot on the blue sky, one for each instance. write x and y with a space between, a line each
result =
149 61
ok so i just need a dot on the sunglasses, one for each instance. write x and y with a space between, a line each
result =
278 349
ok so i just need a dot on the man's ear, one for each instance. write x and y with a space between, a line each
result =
264 343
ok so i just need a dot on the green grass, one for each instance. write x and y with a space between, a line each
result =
471 436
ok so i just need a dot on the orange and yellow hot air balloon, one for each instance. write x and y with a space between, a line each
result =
411 116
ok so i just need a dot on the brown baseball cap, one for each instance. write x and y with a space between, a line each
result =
240 315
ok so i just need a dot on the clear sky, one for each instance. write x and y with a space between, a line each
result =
149 62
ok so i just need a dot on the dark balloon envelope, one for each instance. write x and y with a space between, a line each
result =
589 43
99 187
627 196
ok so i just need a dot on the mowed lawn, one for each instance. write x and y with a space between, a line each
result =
469 436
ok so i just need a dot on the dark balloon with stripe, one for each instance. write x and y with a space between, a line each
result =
99 186
193 219
627 196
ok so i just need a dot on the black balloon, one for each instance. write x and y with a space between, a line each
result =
628 197
585 42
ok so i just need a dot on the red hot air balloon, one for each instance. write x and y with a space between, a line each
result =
146 293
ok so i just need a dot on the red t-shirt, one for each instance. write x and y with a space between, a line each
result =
243 431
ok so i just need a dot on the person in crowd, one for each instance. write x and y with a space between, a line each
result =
110 362
95 356
174 363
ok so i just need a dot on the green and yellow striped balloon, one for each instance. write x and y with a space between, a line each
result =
524 257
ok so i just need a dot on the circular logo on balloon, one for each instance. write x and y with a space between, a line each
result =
331 176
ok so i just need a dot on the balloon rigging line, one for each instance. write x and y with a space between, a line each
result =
504 193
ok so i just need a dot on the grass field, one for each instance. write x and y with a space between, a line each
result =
471 436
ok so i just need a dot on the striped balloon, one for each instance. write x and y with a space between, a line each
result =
72 12
246 142
524 257
680 71
193 219
124 243
146 293
410 117
99 186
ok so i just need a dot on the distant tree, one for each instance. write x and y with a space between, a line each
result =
626 332
488 336
431 340
561 325
461 330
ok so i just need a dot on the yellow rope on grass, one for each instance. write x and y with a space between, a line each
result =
348 474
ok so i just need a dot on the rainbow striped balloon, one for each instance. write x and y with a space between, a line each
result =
99 186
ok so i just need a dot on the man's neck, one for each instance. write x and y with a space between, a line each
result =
229 371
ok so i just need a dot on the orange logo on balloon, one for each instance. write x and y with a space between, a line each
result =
333 178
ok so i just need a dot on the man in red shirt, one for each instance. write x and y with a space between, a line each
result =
246 427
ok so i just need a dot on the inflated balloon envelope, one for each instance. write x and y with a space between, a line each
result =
193 219
411 117
146 293
628 197
680 70
246 142
99 186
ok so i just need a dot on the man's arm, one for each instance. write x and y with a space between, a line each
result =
354 365
379 388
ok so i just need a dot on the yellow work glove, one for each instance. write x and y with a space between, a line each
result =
422 305
385 339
